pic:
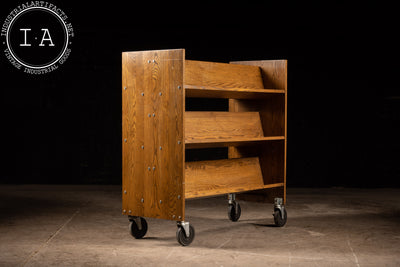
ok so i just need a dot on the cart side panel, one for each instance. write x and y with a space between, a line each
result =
155 185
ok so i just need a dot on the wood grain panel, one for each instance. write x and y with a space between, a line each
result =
223 75
273 113
238 141
132 134
222 129
153 170
222 125
271 110
236 93
274 72
215 177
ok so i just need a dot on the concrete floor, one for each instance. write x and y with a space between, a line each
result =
83 226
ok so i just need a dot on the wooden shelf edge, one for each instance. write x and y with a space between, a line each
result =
201 143
225 191
273 185
236 93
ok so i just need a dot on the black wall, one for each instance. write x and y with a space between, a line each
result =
343 100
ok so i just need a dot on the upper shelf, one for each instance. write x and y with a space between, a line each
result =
235 93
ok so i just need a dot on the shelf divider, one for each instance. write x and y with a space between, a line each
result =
234 93
203 143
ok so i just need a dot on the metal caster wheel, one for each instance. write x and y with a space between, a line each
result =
234 211
280 214
181 234
138 227
279 219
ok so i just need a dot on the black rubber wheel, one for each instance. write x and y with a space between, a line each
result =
134 229
278 218
181 237
234 212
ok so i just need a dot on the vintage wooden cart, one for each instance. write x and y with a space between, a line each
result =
156 132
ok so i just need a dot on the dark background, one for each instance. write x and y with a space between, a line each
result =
343 92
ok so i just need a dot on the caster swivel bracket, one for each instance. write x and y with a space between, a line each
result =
185 227
137 220
278 205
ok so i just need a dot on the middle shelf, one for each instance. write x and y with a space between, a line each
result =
216 129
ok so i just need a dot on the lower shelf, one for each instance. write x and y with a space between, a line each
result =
218 177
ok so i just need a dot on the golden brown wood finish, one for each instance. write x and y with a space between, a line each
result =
236 93
217 129
222 75
155 130
273 114
222 125
208 143
271 155
132 133
271 110
216 177
274 72
153 156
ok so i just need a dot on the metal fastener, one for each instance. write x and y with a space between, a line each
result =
142 94
160 201
142 200
179 142
124 87
180 217
179 196
173 216
160 148
160 93
179 87
149 115
149 168
130 211
153 61
125 140
142 147
124 211
154 168
148 61
154 114
124 191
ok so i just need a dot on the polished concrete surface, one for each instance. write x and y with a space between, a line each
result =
83 226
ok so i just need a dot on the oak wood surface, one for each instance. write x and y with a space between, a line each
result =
153 153
218 129
156 130
209 143
222 75
273 114
273 72
215 177
236 93
222 125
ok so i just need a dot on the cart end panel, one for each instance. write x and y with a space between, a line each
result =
152 134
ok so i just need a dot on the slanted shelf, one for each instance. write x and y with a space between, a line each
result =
254 128
221 80
216 129
217 177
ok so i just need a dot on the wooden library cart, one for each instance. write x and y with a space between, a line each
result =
158 129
